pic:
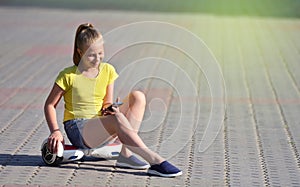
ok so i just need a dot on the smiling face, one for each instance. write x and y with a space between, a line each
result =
92 55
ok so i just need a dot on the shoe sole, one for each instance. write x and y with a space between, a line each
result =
124 165
153 172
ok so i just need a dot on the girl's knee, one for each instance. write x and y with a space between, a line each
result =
137 97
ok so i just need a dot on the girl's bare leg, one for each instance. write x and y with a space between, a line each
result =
133 109
110 126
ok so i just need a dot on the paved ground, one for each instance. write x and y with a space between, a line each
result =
257 145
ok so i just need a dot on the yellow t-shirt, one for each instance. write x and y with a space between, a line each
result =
84 96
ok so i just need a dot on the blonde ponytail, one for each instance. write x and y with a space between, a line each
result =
85 35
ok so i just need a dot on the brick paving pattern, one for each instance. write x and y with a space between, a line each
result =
257 145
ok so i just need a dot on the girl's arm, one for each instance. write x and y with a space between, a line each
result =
50 114
108 99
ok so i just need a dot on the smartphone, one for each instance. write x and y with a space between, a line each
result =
116 104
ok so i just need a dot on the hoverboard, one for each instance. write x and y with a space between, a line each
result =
70 153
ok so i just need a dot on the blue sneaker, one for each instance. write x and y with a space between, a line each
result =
132 162
164 169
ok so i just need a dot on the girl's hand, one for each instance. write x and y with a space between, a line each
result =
106 112
116 109
53 140
111 109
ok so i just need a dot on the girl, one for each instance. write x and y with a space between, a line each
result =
87 89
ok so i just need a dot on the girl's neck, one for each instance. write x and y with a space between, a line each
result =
89 72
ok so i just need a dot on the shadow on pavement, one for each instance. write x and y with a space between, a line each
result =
20 160
36 160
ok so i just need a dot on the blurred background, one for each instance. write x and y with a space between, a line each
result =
272 8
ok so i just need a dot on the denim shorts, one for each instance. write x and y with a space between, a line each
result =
73 129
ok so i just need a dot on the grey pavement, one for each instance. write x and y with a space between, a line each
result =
247 133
